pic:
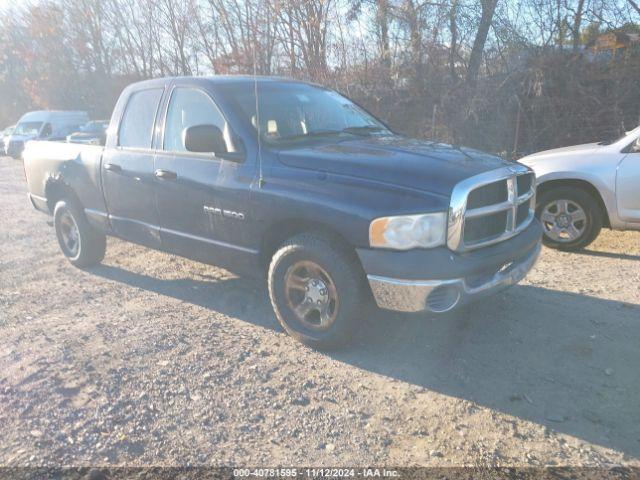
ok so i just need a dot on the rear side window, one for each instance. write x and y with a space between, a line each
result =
136 127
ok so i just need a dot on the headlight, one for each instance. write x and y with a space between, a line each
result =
409 231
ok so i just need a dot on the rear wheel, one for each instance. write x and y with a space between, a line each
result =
571 218
82 244
317 290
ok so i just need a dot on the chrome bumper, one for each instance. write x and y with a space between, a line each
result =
441 296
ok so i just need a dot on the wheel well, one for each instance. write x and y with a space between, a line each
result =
582 185
281 231
55 190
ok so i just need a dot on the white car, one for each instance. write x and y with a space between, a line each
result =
43 125
586 187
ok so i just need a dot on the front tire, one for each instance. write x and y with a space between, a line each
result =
82 244
317 290
571 218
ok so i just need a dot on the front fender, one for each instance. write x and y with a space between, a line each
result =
602 180
344 204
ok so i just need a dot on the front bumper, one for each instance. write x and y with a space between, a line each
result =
39 203
477 275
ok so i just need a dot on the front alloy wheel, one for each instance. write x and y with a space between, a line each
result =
563 220
317 289
571 218
311 295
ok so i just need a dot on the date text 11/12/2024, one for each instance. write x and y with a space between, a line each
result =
316 472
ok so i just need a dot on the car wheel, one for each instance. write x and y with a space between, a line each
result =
571 218
82 244
317 290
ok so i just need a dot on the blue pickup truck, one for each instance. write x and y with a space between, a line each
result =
296 183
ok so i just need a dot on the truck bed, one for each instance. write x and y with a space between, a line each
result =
80 165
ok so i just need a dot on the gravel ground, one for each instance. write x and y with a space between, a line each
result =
151 359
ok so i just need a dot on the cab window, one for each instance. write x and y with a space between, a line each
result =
136 127
189 107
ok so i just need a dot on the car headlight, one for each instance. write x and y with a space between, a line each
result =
409 231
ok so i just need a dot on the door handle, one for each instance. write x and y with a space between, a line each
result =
112 167
166 174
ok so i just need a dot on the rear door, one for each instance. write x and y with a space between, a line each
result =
628 187
202 199
127 171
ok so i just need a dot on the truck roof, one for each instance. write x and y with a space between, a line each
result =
216 79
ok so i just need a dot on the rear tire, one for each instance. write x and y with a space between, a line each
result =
571 218
81 243
317 290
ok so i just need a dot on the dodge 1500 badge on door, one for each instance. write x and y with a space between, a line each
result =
300 184
586 187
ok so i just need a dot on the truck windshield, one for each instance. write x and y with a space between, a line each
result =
292 113
27 128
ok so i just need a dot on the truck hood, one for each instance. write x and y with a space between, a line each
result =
557 153
416 164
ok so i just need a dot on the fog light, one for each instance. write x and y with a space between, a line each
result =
443 298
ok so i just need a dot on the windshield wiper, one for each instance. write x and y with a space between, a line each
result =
314 133
362 131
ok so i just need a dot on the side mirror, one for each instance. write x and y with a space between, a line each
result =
635 146
204 139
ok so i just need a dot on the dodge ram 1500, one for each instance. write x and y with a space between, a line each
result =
297 182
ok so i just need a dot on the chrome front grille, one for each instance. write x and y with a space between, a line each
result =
491 207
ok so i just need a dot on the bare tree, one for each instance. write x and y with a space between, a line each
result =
418 63
174 23
306 27
475 57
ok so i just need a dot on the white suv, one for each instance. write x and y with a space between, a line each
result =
586 187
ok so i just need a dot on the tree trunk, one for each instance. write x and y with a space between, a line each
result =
382 18
577 24
453 30
475 59
415 39
634 5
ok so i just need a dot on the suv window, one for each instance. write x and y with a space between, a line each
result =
137 123
47 131
189 107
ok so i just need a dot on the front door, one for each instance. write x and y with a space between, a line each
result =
201 198
127 172
628 187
